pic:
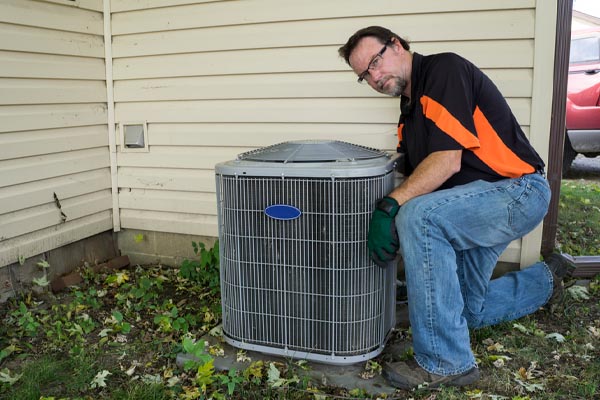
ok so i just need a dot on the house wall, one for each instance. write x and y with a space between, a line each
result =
53 126
214 79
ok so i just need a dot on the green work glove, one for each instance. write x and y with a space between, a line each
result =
383 237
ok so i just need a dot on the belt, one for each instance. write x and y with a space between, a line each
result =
541 171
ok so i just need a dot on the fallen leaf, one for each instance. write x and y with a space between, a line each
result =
499 363
241 356
494 357
5 377
531 387
496 347
131 370
151 379
556 336
216 351
217 331
104 332
273 375
174 380
41 281
474 394
578 293
100 379
520 328
523 373
366 375
589 346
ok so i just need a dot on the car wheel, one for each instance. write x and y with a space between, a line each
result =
569 155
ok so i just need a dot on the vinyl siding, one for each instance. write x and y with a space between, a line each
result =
213 79
53 130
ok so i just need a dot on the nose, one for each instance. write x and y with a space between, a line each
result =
374 76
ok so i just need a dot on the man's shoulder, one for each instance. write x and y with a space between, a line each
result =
446 66
445 60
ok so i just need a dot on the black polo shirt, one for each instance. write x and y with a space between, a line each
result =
454 106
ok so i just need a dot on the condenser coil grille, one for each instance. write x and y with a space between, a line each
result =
305 286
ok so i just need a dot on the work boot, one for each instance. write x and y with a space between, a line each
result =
559 266
409 375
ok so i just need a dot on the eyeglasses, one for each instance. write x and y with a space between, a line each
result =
374 64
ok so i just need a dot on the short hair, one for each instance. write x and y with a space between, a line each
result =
379 32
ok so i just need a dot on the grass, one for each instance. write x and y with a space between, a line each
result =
578 230
53 375
117 337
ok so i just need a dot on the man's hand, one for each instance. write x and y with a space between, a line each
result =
383 237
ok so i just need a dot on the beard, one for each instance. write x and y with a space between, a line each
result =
392 85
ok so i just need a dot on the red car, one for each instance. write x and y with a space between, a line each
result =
583 97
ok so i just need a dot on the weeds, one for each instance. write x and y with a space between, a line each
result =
205 269
24 320
118 336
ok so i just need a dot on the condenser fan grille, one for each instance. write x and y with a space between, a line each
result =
303 151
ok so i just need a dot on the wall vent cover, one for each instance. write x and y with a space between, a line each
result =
303 286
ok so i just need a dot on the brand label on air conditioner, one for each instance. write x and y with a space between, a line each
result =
283 212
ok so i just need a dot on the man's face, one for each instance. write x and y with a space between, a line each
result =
388 72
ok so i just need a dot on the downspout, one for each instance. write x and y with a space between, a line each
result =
557 123
112 142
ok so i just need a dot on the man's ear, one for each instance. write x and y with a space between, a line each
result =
396 44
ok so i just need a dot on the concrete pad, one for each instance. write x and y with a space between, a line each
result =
347 377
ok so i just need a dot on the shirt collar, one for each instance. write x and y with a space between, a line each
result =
408 104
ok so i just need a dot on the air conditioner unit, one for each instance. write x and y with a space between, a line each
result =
296 277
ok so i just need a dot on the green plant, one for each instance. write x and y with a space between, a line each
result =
7 351
87 299
118 324
170 320
76 341
197 350
205 269
231 380
25 320
42 280
140 296
201 362
117 279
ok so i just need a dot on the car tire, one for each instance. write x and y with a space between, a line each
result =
569 155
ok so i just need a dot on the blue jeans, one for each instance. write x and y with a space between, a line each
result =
450 241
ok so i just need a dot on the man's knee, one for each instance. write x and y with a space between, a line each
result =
474 320
411 215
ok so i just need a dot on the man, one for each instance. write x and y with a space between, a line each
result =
473 184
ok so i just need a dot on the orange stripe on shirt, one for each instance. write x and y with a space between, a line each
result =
400 127
444 120
494 153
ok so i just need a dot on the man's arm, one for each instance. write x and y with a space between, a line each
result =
430 174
